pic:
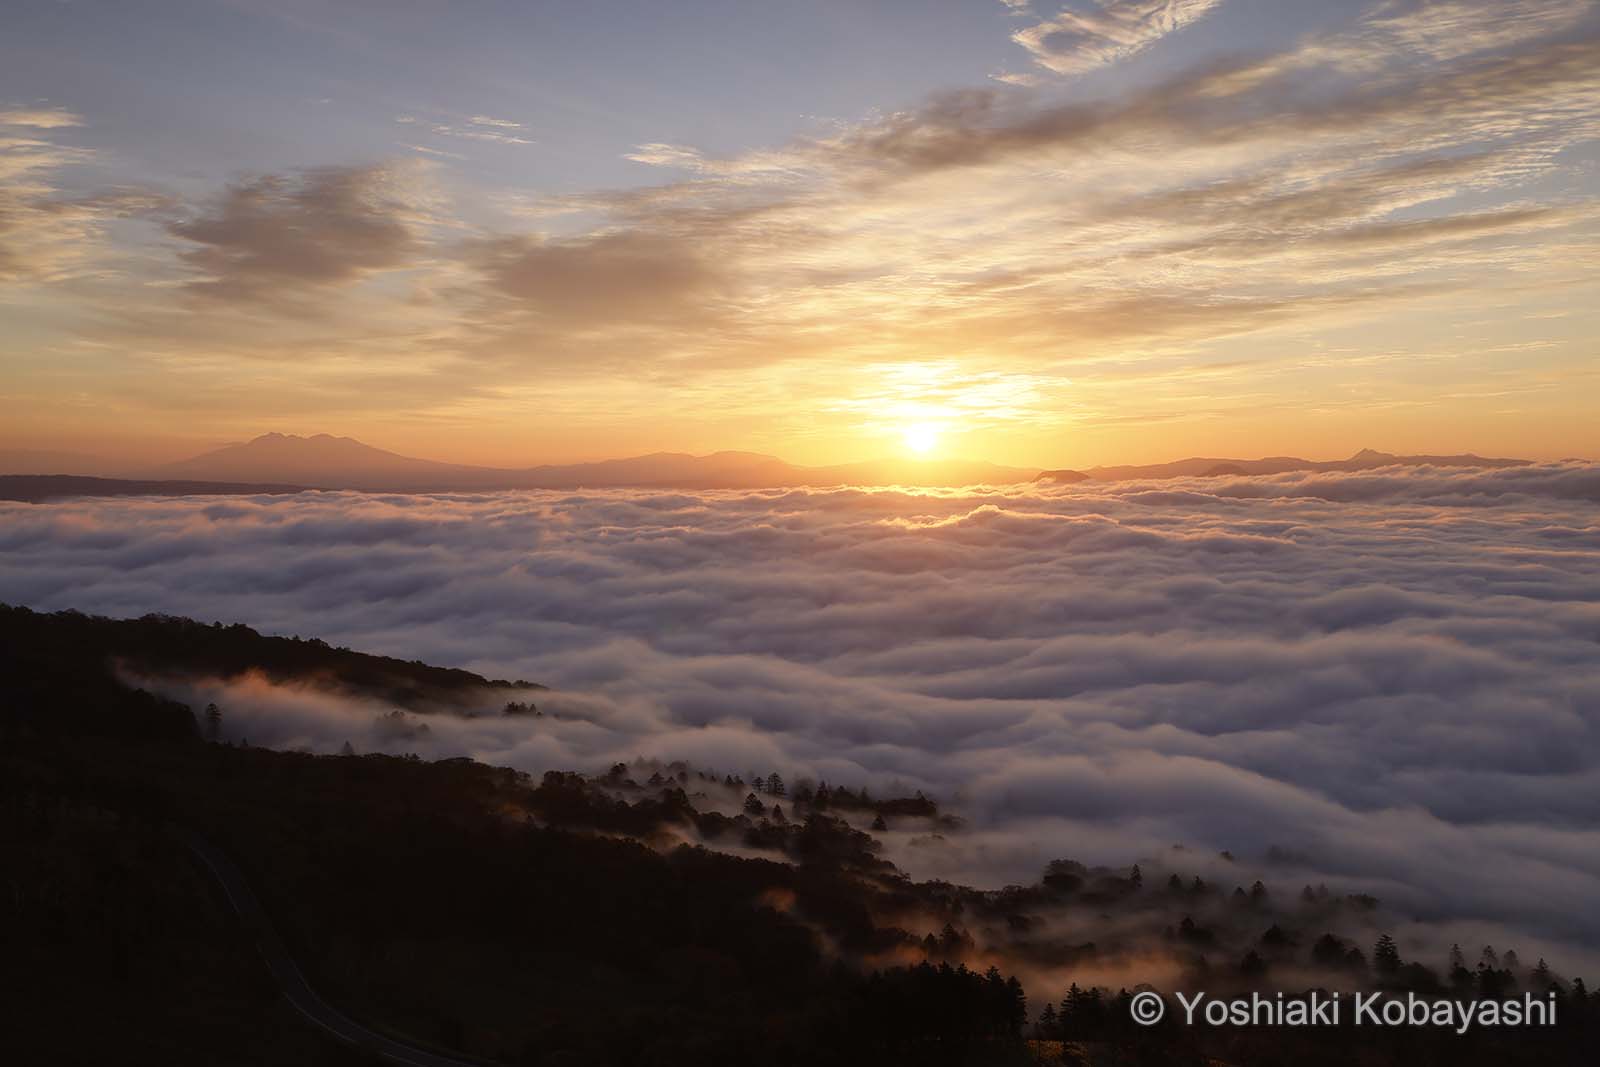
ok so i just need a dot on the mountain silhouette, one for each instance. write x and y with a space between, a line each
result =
327 462
1209 467
283 462
321 460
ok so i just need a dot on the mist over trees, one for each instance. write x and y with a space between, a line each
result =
653 912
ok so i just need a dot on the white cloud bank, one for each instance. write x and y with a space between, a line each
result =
1393 674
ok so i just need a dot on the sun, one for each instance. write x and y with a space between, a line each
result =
921 438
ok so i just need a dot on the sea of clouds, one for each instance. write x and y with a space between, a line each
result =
1390 680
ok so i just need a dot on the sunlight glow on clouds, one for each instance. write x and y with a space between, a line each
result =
1352 224
1080 39
1391 673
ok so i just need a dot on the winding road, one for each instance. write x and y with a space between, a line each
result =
292 983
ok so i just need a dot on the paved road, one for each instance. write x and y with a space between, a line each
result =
292 983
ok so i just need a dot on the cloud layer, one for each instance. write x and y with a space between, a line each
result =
1391 676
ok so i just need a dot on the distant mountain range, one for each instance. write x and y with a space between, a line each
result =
278 463
1201 467
343 463
36 487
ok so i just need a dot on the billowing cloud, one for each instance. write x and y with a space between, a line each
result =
1385 680
277 237
1081 39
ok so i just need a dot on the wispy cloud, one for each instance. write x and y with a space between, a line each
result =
40 118
1277 206
1080 39
474 128
48 234
1211 217
484 128
1445 29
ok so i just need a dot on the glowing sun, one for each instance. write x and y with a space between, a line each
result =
921 438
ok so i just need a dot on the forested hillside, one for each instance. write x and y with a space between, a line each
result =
615 917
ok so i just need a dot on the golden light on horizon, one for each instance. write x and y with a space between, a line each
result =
921 438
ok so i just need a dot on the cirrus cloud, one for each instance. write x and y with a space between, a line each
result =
1076 41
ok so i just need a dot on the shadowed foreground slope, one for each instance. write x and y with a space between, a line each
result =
483 914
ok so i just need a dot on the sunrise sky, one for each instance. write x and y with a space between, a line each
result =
512 233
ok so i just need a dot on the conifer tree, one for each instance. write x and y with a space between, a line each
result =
1386 956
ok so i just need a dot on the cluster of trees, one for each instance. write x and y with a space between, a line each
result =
823 797
1258 895
948 1014
1346 965
804 800
1090 1014
1493 976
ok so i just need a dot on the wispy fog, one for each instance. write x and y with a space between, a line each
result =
1392 676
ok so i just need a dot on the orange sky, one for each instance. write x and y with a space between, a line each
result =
1122 238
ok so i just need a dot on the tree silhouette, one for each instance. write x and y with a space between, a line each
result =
1460 978
1328 951
1386 956
213 722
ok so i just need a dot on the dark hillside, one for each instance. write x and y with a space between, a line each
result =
472 909
68 654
